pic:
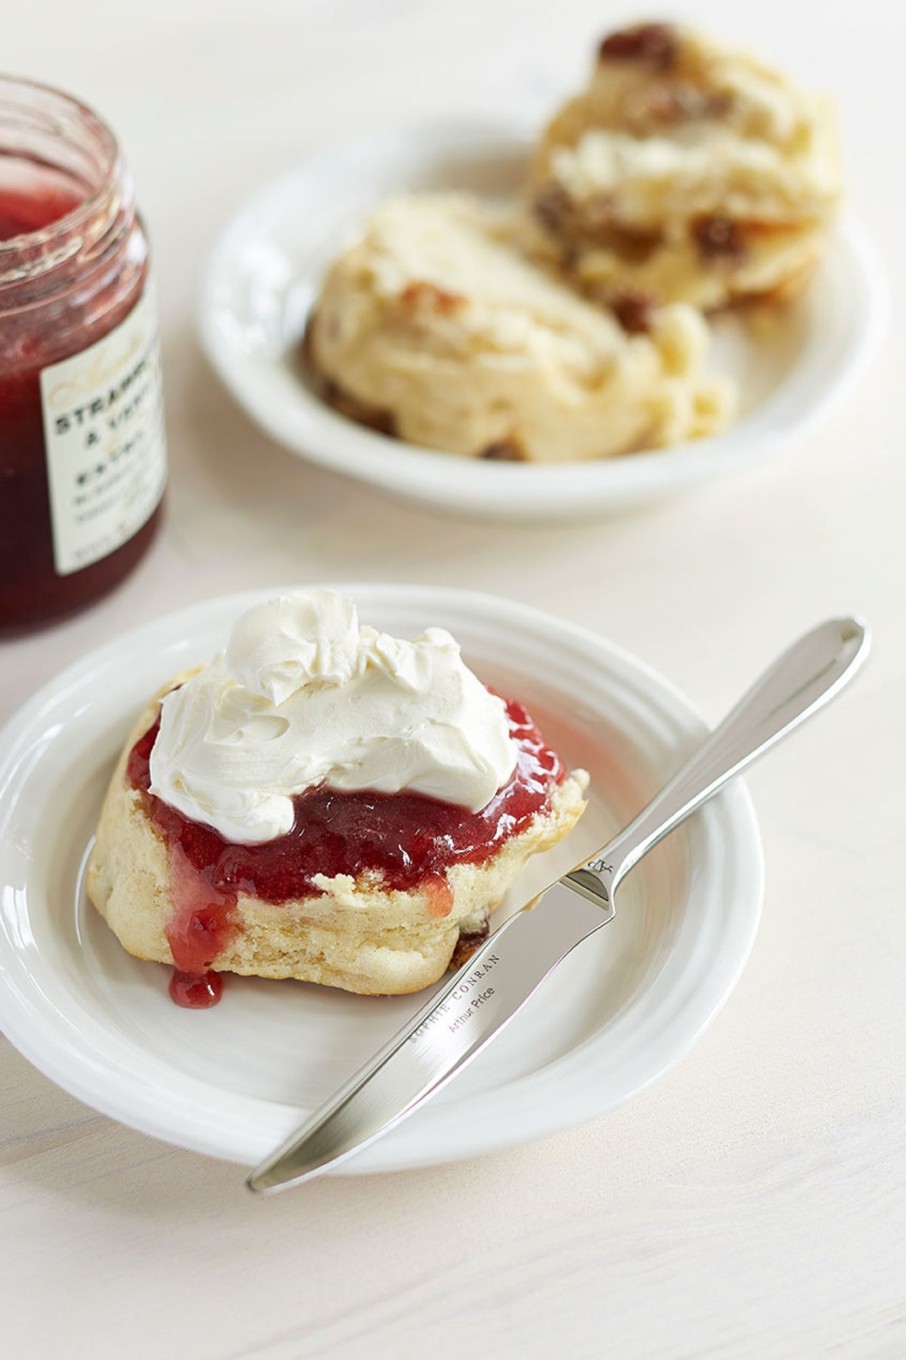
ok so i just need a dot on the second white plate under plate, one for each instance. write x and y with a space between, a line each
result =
265 272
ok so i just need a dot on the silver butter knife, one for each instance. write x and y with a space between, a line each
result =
485 995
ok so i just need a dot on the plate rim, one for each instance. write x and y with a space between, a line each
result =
740 834
318 435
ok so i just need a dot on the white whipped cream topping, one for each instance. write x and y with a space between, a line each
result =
303 696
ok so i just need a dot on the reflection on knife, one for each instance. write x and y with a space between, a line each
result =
495 983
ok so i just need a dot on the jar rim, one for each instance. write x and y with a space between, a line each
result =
110 172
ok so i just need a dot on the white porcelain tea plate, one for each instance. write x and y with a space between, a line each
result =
233 1081
264 274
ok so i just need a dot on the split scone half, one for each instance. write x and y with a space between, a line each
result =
435 328
686 171
177 893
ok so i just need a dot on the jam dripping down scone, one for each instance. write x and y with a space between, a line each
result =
369 890
685 172
434 327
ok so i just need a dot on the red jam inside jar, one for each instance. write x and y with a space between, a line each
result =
82 451
26 209
409 839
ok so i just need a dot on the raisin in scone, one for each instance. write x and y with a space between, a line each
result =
434 327
324 802
686 171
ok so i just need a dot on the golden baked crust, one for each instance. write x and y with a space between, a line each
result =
357 935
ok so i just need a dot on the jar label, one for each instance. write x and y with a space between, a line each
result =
105 440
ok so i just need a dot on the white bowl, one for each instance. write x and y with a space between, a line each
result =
235 1080
265 272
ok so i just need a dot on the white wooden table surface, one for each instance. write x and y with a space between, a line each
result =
752 1202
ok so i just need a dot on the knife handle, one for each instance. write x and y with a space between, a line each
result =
803 679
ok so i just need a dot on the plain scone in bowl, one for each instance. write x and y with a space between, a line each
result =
435 328
198 909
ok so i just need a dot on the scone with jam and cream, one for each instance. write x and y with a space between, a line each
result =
686 171
434 327
326 802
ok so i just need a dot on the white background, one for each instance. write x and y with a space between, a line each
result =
752 1202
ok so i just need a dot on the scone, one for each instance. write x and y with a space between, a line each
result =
434 327
686 172
277 815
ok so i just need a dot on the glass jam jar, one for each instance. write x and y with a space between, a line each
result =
82 444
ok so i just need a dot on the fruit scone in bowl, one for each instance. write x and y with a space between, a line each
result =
325 802
434 327
686 171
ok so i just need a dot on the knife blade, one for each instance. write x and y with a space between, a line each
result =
446 1034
